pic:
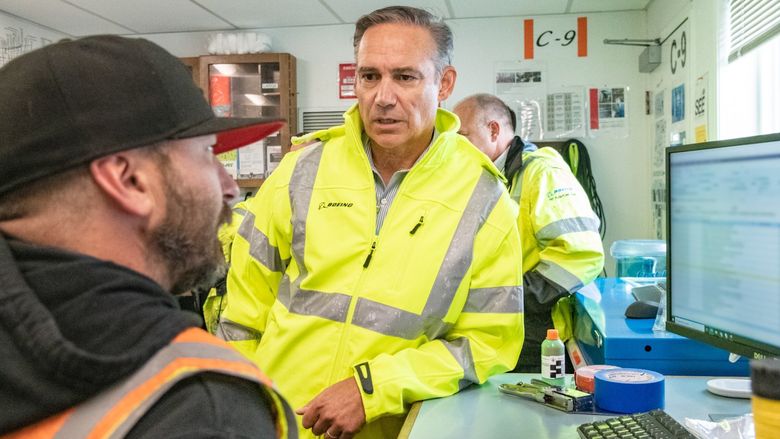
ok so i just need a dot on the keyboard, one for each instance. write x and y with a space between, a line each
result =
656 424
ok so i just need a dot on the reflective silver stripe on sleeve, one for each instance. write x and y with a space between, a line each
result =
284 295
240 211
232 331
391 321
559 275
90 413
331 306
301 188
495 300
567 225
259 246
461 350
388 320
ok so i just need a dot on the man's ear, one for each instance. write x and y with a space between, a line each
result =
126 179
447 83
495 130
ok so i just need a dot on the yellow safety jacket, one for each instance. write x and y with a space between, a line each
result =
216 301
428 306
113 413
558 228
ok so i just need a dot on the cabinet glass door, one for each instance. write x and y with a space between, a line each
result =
257 85
247 90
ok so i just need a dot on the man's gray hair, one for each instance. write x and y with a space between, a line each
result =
440 32
489 107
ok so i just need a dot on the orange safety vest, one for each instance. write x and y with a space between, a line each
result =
113 413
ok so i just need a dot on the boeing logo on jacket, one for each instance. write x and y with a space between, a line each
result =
325 205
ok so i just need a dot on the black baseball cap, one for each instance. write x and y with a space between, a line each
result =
71 102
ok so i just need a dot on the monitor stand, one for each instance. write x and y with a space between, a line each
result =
730 387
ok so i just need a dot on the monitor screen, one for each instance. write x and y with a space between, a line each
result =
723 219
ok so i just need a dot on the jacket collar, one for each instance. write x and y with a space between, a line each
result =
446 126
514 158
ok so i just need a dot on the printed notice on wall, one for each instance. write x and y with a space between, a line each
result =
523 87
658 107
230 161
347 81
565 113
608 113
516 80
661 142
659 207
251 161
529 113
700 99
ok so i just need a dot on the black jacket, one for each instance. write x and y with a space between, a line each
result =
72 325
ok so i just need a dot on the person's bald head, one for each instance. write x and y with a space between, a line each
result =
487 122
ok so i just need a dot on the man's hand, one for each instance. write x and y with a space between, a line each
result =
337 412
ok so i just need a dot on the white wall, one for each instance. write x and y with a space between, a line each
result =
619 164
701 61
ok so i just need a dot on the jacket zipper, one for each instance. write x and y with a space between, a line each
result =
370 254
417 226
366 263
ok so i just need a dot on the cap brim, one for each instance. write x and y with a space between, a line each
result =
234 132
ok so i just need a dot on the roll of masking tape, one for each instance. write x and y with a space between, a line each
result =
584 376
629 390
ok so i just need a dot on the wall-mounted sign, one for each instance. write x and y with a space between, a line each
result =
678 103
347 81
555 37
677 45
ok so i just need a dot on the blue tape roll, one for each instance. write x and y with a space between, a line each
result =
625 390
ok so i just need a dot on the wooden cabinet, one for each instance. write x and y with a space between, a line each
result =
193 64
256 85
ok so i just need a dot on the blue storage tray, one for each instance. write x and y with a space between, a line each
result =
607 337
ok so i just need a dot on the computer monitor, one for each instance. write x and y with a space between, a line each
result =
723 223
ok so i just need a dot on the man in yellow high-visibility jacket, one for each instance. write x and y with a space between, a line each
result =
562 249
380 266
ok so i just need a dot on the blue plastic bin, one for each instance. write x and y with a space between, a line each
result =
639 258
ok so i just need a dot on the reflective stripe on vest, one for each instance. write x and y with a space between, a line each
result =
113 413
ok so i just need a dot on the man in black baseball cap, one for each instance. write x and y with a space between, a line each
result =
110 200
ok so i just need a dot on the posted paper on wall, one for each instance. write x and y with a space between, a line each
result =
701 99
523 87
251 161
565 114
608 113
229 161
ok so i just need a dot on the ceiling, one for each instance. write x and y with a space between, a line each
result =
128 17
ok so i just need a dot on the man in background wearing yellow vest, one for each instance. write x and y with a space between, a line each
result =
110 200
562 249
380 266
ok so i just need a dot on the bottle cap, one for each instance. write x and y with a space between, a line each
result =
552 334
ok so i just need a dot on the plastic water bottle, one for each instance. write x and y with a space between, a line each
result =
553 359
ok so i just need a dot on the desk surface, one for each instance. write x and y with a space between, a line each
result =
484 412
